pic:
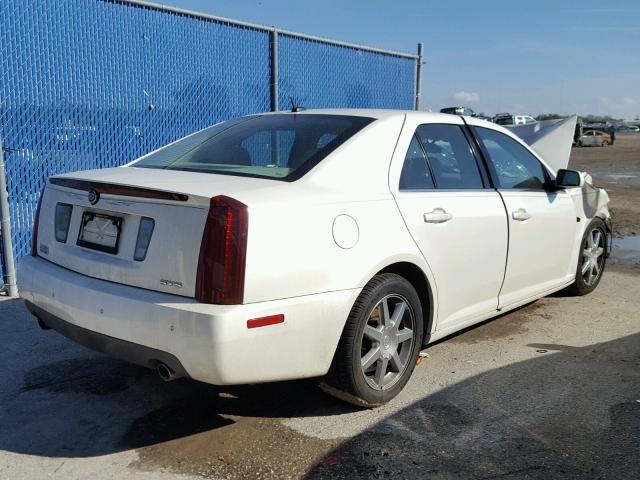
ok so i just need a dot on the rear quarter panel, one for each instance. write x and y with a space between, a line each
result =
291 247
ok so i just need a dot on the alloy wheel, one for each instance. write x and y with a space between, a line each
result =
387 342
593 256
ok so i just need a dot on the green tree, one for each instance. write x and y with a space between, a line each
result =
549 116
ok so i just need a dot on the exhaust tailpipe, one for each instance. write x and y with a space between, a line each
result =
166 372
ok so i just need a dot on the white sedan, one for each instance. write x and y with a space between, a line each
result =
333 244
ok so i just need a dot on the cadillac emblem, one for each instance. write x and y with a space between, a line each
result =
94 196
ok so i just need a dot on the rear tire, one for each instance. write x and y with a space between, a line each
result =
380 342
591 259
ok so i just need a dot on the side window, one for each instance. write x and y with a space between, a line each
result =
452 161
415 171
514 165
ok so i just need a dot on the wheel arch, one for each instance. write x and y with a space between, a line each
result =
343 384
418 279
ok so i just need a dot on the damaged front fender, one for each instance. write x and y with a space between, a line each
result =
591 202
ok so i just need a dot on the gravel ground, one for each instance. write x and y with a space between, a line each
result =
550 390
617 169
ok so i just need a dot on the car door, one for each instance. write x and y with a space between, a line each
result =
589 139
600 138
542 221
584 139
457 220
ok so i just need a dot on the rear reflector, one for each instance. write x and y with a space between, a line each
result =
62 220
223 252
145 230
264 321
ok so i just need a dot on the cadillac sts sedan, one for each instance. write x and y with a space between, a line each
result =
334 244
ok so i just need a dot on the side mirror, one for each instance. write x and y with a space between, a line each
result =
569 178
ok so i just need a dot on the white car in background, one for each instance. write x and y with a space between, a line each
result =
508 119
332 244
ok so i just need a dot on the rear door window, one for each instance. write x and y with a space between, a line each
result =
450 156
416 174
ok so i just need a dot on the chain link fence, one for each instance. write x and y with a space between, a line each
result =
97 83
321 75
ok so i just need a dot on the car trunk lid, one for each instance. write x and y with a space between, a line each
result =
107 212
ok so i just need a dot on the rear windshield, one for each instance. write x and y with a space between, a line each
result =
280 146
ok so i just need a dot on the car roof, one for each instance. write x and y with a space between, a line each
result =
371 113
353 112
429 117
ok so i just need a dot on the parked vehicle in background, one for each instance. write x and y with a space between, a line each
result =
508 119
607 128
594 138
332 244
578 132
466 111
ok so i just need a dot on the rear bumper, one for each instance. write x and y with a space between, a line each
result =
114 347
210 343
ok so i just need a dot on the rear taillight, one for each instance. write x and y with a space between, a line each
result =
36 222
223 253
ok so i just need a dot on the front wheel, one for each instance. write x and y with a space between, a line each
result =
591 259
380 342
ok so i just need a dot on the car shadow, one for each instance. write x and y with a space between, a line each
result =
571 412
61 400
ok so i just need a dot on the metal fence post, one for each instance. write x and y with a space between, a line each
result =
274 70
419 75
5 226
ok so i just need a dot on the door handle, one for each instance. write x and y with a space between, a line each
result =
521 215
438 215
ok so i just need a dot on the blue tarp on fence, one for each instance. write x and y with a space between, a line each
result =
92 83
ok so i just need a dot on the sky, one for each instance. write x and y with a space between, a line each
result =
540 56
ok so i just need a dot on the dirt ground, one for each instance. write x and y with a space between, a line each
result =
617 169
549 391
